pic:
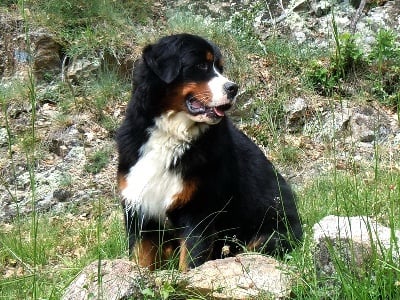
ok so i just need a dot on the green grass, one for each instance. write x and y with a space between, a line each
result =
351 195
40 254
64 245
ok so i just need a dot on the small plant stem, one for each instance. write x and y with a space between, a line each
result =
99 257
30 152
4 182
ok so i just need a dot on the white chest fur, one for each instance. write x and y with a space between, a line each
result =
151 185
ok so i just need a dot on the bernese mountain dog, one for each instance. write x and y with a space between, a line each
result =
191 182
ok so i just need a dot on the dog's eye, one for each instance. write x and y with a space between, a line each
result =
202 66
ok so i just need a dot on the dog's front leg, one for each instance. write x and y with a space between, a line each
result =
145 238
195 249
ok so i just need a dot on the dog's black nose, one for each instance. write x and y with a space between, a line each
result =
231 89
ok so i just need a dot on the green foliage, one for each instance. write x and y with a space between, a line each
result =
385 49
350 195
289 155
241 25
384 58
270 116
104 92
62 239
348 55
78 14
360 194
321 77
326 76
91 27
8 2
97 161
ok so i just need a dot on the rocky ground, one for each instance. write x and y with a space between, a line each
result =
361 131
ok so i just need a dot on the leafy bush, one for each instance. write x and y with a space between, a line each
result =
326 77
384 59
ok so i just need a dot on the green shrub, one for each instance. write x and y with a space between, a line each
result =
97 161
384 59
326 76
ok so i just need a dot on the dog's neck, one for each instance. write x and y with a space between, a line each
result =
171 135
151 184
179 127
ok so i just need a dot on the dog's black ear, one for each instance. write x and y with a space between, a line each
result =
164 62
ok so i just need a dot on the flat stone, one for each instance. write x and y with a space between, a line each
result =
117 279
246 276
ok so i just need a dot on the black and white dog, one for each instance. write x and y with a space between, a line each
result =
190 180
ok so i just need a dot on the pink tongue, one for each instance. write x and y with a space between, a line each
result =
218 112
197 104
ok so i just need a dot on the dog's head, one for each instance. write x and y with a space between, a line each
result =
189 70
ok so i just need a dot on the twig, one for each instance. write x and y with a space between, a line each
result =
285 14
357 16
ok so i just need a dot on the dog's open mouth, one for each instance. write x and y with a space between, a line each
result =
196 107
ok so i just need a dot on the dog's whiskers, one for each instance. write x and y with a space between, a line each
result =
204 99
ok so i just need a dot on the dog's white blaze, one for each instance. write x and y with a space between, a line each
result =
216 86
151 186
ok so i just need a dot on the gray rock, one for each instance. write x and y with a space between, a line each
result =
62 195
47 61
3 137
335 124
296 112
48 187
357 123
117 279
10 49
16 54
321 7
353 241
362 128
82 69
246 276
62 141
368 124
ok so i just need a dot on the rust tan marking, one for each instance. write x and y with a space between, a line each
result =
176 99
255 244
168 251
200 90
209 56
144 254
183 257
180 199
220 63
122 182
